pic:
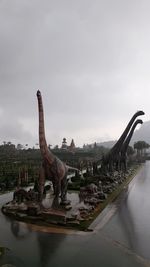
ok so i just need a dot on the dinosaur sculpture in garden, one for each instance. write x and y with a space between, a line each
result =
113 156
53 167
21 195
123 158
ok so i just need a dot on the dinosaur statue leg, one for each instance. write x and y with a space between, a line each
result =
110 166
54 186
55 204
125 165
64 185
117 165
41 182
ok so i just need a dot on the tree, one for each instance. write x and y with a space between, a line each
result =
56 147
26 145
141 147
19 146
9 143
49 146
95 145
130 150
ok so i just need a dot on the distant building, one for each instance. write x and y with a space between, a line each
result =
72 146
64 144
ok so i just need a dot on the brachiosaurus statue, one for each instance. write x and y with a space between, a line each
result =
123 158
52 165
113 155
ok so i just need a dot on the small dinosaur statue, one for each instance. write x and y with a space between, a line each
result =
20 194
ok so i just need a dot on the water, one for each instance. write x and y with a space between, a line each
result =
121 235
131 223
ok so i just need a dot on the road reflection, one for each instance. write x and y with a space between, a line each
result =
47 243
130 223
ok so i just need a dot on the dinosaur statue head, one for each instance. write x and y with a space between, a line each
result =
139 121
140 112
38 93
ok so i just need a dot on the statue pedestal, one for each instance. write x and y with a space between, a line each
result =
54 216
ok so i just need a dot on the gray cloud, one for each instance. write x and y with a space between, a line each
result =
90 59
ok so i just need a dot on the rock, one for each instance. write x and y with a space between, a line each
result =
89 189
73 223
21 215
92 201
68 207
86 208
33 210
65 202
84 214
102 196
74 217
54 216
81 219
70 218
23 207
75 214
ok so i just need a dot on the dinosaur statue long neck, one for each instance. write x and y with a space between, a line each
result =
116 148
128 139
42 140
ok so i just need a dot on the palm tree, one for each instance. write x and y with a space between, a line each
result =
26 145
19 146
9 143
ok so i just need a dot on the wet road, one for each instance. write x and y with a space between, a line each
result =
120 237
131 223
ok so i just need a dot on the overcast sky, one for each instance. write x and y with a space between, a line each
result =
89 58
